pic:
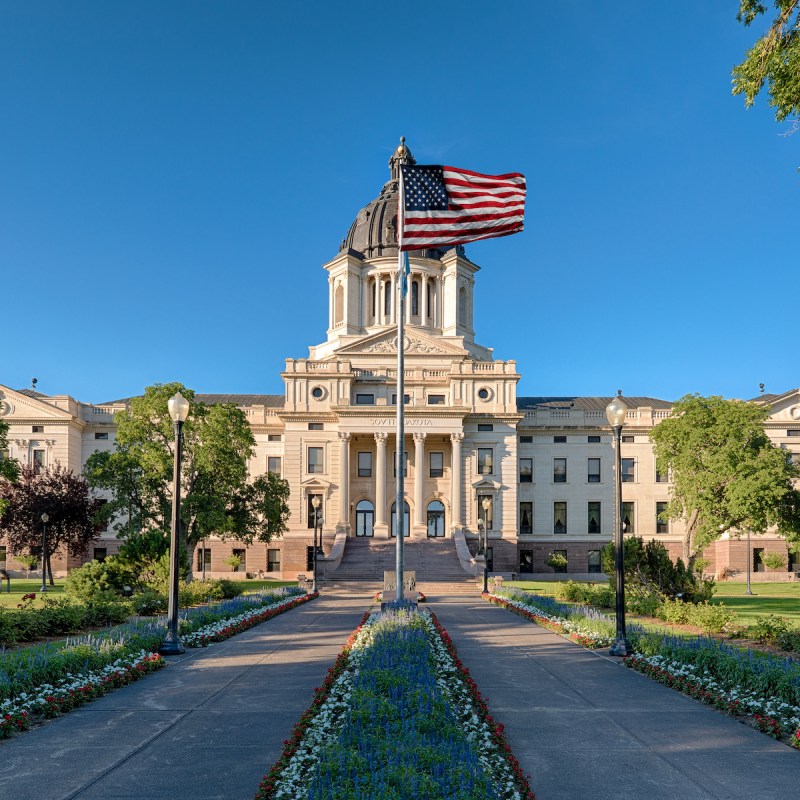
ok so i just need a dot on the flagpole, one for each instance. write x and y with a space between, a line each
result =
400 447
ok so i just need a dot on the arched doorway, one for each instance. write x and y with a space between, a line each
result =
406 520
435 519
365 518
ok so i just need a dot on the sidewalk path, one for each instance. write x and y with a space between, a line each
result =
208 727
587 728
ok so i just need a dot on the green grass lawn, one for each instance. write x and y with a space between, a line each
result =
20 586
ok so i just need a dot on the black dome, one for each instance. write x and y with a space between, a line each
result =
374 230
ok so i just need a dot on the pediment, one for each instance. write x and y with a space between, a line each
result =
785 407
486 484
415 344
14 404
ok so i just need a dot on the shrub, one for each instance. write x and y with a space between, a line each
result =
711 617
229 589
97 579
557 561
773 560
149 602
767 630
595 595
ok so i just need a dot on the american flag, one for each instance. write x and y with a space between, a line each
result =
445 205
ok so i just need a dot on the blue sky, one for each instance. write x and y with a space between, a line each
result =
174 174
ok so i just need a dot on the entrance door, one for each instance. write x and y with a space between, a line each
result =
365 518
406 526
435 519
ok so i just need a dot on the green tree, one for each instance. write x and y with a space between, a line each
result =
726 473
774 58
216 497
9 468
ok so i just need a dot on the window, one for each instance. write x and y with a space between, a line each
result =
593 509
526 560
486 515
316 426
436 399
662 525
661 477
559 517
559 470
101 435
309 558
758 564
365 465
627 439
435 519
3 555
593 474
203 555
274 560
485 427
526 470
365 399
387 298
594 561
559 439
436 464
274 437
100 554
525 518
415 298
242 556
790 432
405 464
274 465
628 470
485 460
365 518
526 439
406 526
483 394
593 439
310 511
406 399
317 392
38 461
564 567
316 460
629 517
40 429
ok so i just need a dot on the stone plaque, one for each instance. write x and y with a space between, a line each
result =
390 583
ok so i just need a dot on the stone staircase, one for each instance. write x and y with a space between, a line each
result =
435 562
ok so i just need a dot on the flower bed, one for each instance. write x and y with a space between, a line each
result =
51 700
379 597
225 628
397 716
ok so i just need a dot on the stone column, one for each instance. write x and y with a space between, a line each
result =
419 477
455 496
380 479
423 305
344 479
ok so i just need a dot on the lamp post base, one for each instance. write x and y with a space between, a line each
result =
171 647
621 647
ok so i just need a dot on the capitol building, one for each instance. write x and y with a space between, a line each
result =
536 471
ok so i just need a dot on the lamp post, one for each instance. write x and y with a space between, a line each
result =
45 520
486 503
317 523
178 407
615 412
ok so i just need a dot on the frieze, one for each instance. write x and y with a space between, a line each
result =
389 422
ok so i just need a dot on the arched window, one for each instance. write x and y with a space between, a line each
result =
338 305
429 299
387 298
415 298
365 518
406 526
435 519
462 305
372 293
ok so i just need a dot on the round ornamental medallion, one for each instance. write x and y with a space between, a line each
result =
362 215
318 392
485 394
795 412
5 408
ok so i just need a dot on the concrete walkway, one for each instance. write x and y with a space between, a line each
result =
211 724
584 726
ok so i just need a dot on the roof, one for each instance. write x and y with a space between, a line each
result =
32 393
588 403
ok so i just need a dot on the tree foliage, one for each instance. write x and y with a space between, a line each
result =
216 497
726 473
774 59
9 469
57 492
